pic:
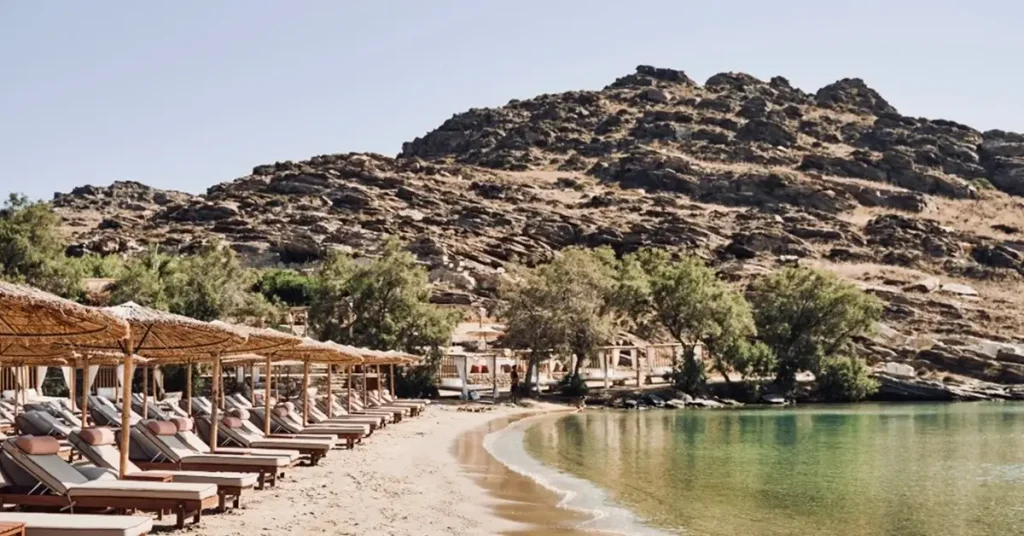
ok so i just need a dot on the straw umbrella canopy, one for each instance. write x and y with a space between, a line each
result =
32 317
308 352
160 336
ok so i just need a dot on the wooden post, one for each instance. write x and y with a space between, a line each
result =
604 368
145 392
394 395
220 380
85 393
71 388
188 387
126 413
215 410
330 390
636 362
348 399
494 376
156 392
266 400
305 393
366 386
252 384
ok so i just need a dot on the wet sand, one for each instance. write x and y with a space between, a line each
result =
514 497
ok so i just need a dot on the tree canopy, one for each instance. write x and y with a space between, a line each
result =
381 304
805 315
32 248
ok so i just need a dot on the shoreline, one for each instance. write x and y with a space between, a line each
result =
537 499
401 481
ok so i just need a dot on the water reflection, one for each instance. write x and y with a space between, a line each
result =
862 470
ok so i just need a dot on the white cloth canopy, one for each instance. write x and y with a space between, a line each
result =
120 374
40 378
460 364
158 377
93 369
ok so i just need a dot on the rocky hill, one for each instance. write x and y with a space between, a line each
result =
750 174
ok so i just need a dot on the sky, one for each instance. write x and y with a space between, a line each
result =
186 94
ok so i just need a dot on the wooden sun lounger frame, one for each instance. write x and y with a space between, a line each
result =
266 476
351 438
125 505
313 455
224 492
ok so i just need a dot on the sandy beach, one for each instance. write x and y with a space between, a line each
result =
403 480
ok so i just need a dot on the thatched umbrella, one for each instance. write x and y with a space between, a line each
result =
313 351
258 341
160 336
32 317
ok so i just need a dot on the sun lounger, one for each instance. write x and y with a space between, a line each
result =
153 411
37 524
104 413
358 408
292 424
97 446
232 431
54 483
257 420
36 422
187 433
175 454
318 417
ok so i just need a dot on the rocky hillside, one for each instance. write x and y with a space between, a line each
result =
750 174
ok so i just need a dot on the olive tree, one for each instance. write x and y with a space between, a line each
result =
806 315
32 248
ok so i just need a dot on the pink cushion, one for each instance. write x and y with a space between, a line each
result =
40 445
240 413
231 422
281 411
162 427
97 436
182 424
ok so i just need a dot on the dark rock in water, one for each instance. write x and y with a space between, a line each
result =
630 403
654 401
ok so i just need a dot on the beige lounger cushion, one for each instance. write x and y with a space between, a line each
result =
79 524
41 445
182 424
236 480
228 459
162 428
128 489
97 436
290 455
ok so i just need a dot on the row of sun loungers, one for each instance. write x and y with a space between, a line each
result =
171 469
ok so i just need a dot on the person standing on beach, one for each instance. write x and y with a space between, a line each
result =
514 387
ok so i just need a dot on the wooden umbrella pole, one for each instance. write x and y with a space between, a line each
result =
214 412
220 380
188 388
330 390
156 392
305 394
71 388
366 386
393 394
145 392
348 399
252 384
266 400
85 393
126 392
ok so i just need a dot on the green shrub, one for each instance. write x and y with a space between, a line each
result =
845 379
286 286
416 382
690 376
573 385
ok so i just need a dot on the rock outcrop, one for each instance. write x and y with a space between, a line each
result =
750 174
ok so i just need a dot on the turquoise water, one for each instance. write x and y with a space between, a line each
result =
863 470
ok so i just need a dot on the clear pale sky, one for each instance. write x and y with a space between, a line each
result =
189 93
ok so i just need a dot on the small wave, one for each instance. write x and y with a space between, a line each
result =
507 446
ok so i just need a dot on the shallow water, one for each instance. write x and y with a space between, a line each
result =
864 470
